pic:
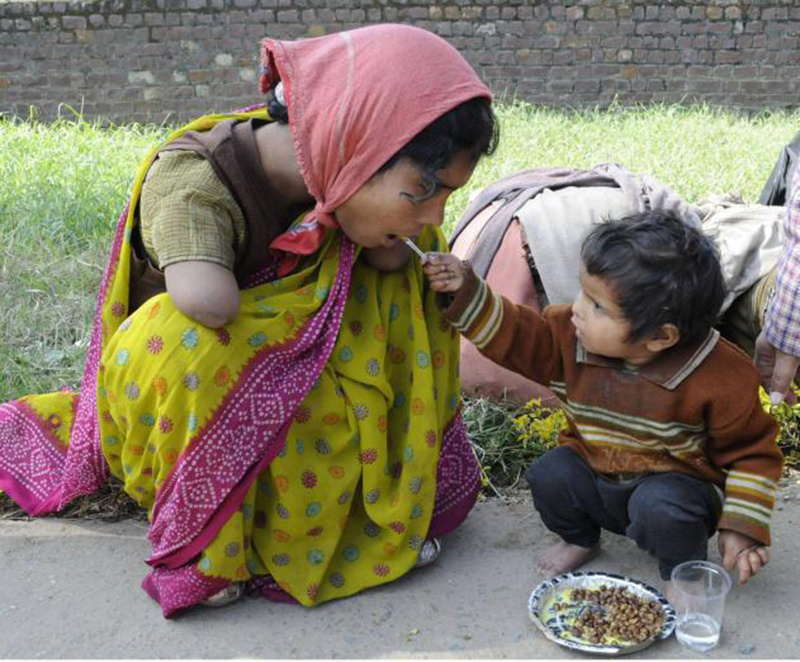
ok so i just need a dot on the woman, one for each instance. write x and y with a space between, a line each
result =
288 410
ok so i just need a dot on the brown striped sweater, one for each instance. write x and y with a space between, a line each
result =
693 409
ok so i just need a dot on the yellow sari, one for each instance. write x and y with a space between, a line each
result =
309 447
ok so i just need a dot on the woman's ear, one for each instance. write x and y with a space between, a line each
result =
664 337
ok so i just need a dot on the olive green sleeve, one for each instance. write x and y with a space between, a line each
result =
188 214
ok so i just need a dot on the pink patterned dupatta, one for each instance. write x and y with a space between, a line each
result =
37 469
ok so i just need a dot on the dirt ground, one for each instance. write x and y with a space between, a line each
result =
71 589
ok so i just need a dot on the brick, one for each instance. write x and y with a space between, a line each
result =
523 13
587 85
577 51
575 13
560 85
199 76
145 77
153 93
733 13
594 13
74 22
312 30
727 57
655 57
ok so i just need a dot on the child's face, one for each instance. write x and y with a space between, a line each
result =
600 324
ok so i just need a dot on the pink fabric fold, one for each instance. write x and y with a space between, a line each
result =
355 98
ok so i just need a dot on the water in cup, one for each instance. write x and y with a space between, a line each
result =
697 631
699 589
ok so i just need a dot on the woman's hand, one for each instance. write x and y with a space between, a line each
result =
742 552
777 370
444 271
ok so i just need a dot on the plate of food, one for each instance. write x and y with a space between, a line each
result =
599 612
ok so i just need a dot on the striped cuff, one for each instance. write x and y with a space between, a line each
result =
476 311
749 499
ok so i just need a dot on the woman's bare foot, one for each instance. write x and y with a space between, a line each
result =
563 557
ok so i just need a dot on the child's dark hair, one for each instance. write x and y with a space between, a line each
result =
662 271
470 126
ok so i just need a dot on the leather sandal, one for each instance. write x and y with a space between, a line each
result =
430 551
227 596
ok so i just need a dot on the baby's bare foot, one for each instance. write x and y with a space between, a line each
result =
563 557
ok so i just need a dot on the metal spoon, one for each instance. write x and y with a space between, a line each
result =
414 247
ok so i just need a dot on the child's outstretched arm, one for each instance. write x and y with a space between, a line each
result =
515 337
444 271
743 444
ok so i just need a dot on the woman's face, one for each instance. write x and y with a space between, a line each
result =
382 210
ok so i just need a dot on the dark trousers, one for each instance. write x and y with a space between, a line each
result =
669 515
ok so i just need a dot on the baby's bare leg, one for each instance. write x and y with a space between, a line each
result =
563 557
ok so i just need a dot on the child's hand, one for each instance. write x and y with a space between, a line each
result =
740 551
444 271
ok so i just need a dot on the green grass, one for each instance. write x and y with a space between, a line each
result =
696 151
63 186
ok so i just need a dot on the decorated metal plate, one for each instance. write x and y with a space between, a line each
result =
567 607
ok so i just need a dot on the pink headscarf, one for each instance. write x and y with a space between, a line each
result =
355 98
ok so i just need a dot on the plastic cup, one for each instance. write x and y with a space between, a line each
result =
700 589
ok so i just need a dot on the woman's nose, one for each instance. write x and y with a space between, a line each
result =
432 216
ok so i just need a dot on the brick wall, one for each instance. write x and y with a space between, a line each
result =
156 60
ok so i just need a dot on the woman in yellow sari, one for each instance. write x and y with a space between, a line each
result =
268 373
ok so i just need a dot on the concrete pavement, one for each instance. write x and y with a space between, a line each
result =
71 589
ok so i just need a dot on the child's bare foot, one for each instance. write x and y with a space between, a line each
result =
563 557
670 593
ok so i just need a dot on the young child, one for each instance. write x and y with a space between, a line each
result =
667 441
